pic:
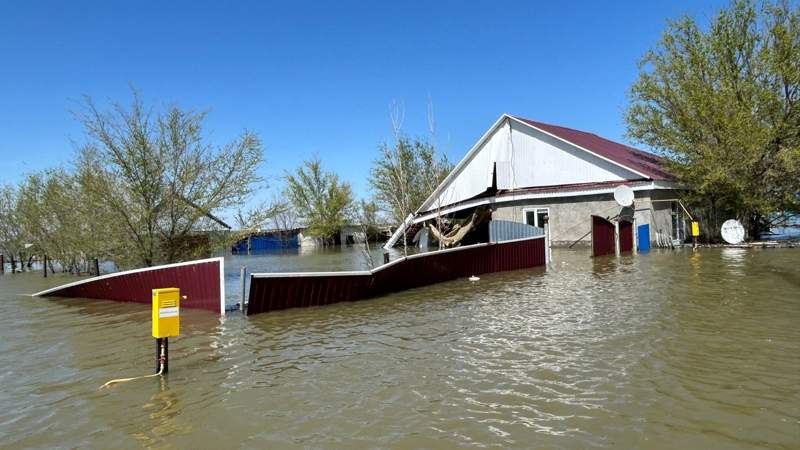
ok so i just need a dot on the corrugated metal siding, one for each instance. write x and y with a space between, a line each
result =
537 159
280 292
476 174
602 236
265 243
272 243
199 282
645 162
625 236
506 230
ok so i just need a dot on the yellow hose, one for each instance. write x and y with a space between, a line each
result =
123 380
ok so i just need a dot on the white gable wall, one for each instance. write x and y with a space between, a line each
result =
525 157
538 159
474 175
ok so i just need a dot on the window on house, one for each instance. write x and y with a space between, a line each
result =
530 217
540 215
535 216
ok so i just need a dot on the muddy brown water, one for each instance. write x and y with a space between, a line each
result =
663 350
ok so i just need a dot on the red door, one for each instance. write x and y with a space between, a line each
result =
625 236
602 236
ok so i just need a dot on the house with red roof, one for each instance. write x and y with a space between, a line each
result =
523 170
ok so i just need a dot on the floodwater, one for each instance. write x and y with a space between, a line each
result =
671 349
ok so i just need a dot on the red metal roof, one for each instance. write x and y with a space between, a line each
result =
653 166
572 187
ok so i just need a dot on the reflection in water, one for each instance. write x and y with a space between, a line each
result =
735 260
603 265
671 349
164 411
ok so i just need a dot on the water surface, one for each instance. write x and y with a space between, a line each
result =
664 350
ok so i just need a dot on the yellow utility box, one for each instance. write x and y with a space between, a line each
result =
695 229
166 312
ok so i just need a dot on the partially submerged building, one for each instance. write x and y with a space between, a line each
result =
521 170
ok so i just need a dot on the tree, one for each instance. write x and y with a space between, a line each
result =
285 222
321 200
57 221
11 233
367 218
405 175
158 181
723 106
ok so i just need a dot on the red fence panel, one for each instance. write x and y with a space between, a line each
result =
602 237
275 291
202 282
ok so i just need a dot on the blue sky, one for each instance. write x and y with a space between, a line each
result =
319 77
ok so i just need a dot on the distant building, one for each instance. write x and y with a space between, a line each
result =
298 237
348 235
523 170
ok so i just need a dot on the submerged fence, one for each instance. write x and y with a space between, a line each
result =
202 282
275 291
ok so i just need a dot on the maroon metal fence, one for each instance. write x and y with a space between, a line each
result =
602 237
625 236
200 281
275 291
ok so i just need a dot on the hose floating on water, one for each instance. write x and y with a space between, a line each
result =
162 361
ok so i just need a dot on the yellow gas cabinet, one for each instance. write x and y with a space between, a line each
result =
166 312
695 229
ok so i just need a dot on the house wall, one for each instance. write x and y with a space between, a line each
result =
356 232
570 217
524 157
306 241
536 159
662 215
350 230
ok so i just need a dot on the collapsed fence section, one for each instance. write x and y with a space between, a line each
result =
276 291
201 281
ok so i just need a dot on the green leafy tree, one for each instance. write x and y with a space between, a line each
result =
158 183
58 222
723 105
11 233
321 200
405 175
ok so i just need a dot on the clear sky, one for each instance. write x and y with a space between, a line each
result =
319 77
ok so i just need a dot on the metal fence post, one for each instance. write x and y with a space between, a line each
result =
243 282
548 252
